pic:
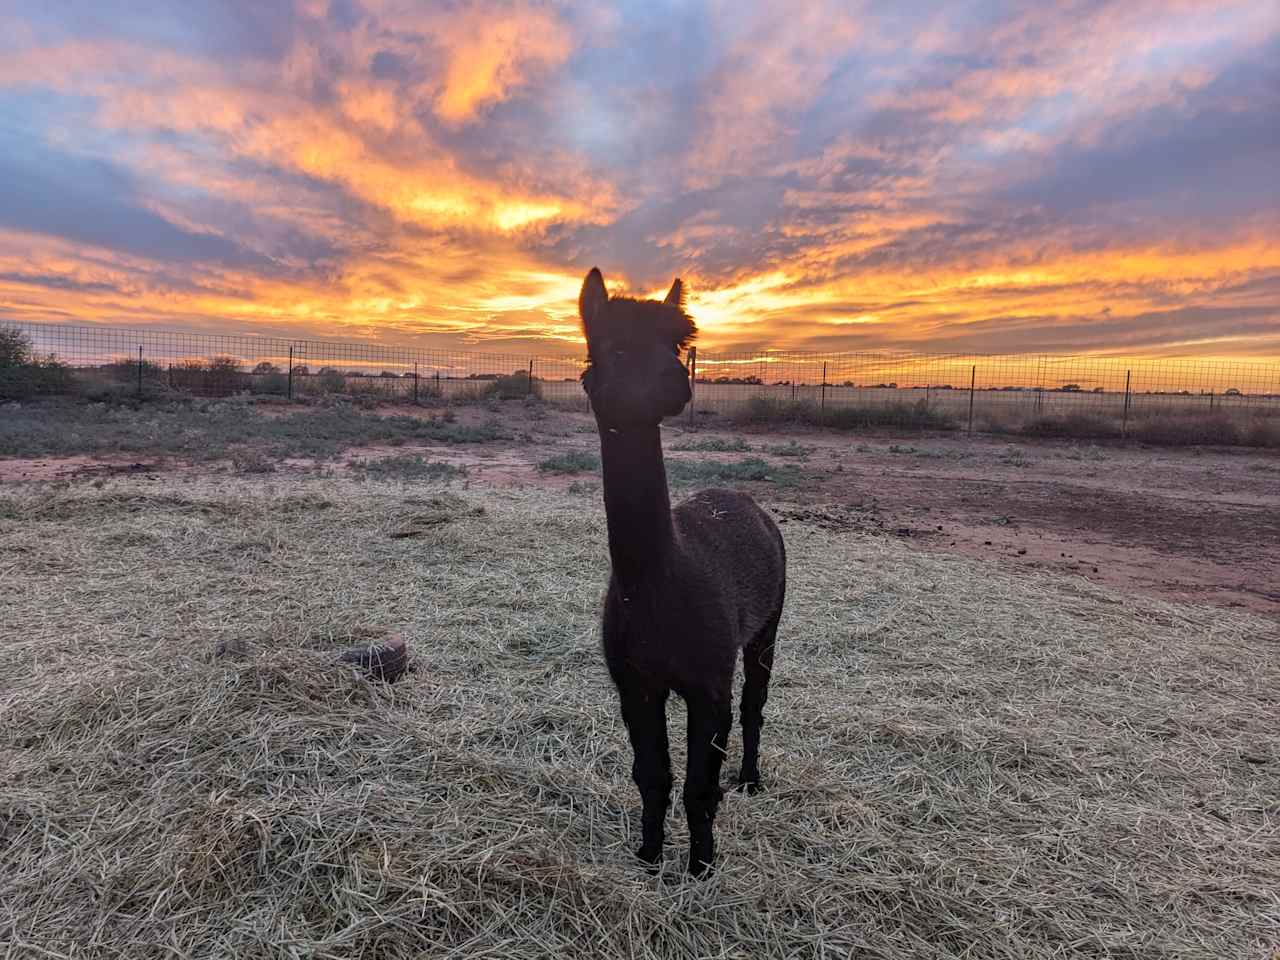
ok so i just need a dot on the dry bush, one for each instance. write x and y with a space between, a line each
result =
1182 430
1071 426
1242 427
899 415
513 386
24 374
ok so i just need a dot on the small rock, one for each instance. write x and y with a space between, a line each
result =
1022 551
383 661
233 648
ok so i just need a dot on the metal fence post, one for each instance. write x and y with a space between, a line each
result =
139 369
290 393
973 379
1210 401
170 374
415 381
1124 424
529 393
693 379
1040 385
439 393
822 399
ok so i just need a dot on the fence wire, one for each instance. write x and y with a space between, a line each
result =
963 386
991 384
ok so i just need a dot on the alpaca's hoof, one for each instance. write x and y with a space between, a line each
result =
650 855
702 856
700 869
750 786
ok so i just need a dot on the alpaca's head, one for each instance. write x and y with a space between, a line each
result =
634 374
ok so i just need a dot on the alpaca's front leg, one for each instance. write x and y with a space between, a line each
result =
645 714
710 719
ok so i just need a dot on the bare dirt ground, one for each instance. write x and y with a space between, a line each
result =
1197 524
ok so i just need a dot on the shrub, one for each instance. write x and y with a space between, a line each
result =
125 370
792 449
1164 429
1261 431
331 380
513 386
404 467
1071 426
572 461
1014 457
918 415
1174 430
691 472
711 445
15 348
23 374
252 461
370 387
273 383
763 410
223 376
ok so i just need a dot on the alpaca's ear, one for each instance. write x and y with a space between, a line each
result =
675 297
592 298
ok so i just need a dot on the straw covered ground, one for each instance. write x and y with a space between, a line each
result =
961 761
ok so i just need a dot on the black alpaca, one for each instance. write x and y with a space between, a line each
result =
690 587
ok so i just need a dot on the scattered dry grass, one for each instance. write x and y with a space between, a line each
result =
960 761
403 466
899 415
1246 427
712 445
571 461
205 430
1243 426
683 472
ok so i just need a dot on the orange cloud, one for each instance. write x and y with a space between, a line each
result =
488 60
821 178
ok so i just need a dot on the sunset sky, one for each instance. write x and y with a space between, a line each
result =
1089 177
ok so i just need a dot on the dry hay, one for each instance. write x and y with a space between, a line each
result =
960 762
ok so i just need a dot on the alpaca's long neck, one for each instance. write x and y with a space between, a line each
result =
636 501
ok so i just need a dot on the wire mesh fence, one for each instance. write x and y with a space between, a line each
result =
963 388
111 358
987 385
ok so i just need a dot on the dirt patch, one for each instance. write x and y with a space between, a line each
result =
1203 527
1200 524
38 469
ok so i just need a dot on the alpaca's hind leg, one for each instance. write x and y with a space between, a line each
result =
645 714
710 719
757 663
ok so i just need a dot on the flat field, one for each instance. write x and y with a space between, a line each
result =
970 750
